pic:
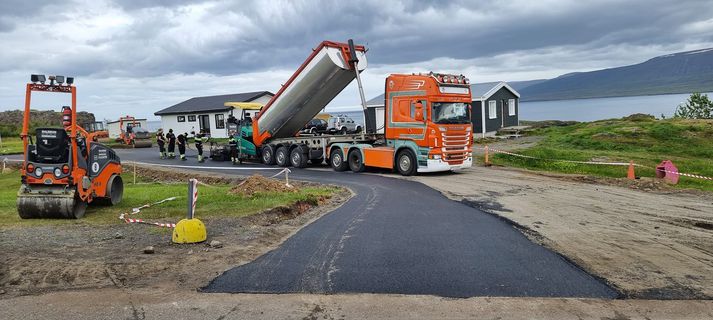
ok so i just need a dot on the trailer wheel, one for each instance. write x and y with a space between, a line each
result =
336 160
282 157
298 159
268 155
356 161
406 162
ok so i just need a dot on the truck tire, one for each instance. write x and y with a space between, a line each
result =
268 155
356 161
298 159
282 156
336 160
406 162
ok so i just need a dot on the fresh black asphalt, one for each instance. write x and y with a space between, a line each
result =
399 236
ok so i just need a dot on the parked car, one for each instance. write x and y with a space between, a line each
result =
342 124
315 126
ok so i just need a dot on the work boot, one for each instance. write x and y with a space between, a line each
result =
183 157
200 159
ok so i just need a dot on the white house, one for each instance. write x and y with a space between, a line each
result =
206 113
112 127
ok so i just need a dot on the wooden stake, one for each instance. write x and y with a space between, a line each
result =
134 172
487 156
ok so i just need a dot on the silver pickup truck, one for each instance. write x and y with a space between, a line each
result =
342 124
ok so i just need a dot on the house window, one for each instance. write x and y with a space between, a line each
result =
492 109
220 121
192 118
181 118
511 107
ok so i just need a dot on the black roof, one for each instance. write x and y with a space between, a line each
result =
211 103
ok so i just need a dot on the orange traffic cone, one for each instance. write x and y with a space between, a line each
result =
630 174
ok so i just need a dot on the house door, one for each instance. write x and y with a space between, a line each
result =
204 123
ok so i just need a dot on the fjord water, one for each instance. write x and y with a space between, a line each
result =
602 108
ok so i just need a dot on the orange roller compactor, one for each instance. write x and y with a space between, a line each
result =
64 169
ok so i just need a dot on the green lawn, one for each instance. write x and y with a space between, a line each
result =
688 143
213 201
10 145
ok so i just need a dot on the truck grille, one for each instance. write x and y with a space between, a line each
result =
455 146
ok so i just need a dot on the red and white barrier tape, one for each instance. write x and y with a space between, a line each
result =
123 216
690 175
560 160
164 225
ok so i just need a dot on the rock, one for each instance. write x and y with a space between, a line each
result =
118 235
149 250
216 244
2 291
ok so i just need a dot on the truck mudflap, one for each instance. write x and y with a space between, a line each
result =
438 165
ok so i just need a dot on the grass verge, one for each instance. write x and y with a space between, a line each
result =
10 145
213 201
646 141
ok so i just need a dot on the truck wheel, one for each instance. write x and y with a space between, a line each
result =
406 163
336 160
282 157
298 159
268 155
356 162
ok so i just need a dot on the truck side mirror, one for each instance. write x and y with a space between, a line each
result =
418 113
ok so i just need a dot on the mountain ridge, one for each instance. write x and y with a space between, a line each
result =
681 72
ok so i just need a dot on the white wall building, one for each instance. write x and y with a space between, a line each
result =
114 130
207 113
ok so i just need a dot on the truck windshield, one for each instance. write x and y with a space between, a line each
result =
450 112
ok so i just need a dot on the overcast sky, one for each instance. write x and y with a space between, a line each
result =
137 57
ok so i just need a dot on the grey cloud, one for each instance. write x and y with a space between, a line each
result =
246 36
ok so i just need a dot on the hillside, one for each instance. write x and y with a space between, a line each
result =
683 72
11 121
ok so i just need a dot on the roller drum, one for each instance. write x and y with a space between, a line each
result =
56 202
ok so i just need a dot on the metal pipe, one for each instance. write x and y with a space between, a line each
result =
355 62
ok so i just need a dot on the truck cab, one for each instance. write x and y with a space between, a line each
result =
430 115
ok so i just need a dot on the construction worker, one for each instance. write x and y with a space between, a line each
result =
171 144
233 143
199 139
161 141
181 141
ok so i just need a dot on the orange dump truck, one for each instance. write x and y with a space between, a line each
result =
427 125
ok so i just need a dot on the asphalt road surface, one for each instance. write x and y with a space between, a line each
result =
398 236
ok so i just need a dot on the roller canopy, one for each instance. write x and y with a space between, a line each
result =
320 78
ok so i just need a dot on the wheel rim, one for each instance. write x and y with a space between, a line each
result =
405 163
266 156
280 157
336 160
295 159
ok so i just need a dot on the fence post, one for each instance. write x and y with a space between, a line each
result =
487 159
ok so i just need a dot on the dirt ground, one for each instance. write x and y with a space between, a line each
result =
648 240
155 304
43 259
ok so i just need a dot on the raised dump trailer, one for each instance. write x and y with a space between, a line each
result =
427 125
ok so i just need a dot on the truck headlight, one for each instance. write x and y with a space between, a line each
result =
57 172
38 172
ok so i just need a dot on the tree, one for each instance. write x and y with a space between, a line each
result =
698 106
